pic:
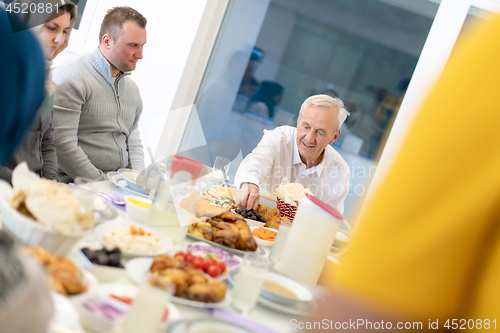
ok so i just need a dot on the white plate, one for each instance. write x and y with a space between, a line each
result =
303 292
65 317
206 325
300 308
167 243
116 179
138 268
262 242
260 251
129 290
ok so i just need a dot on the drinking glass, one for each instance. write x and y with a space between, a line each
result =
248 282
280 241
148 308
221 165
83 191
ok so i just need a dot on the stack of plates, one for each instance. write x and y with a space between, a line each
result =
125 179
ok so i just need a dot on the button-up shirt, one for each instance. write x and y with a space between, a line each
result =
277 156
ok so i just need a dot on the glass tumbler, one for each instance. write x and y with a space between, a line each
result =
280 241
248 282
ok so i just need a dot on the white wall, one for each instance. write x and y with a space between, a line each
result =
171 29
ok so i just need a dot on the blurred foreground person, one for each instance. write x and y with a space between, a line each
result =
37 148
21 83
25 302
427 253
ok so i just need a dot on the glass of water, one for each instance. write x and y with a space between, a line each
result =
248 282
280 241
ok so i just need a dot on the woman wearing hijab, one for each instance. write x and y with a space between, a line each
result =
37 147
269 95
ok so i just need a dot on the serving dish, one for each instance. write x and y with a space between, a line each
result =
104 228
138 268
260 251
103 273
262 242
135 211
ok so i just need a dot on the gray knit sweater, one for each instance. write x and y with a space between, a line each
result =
95 122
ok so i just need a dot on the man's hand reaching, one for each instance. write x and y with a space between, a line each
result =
248 196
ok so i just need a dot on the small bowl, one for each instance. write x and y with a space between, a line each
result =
101 272
262 242
137 212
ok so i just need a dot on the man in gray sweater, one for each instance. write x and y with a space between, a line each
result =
97 107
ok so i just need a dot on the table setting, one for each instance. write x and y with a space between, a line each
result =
142 267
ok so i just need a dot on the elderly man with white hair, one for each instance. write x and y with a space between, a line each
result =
301 154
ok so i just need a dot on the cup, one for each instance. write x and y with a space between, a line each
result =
280 241
148 308
84 193
248 282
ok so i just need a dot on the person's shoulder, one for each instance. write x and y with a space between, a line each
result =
69 68
283 131
334 159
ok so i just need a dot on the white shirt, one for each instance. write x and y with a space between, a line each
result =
277 156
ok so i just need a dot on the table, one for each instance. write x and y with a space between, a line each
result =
277 321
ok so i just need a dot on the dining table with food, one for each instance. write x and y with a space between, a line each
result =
171 253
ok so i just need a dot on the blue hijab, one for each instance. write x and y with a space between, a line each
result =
22 77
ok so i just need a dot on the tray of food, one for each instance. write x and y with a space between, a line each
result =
228 231
192 286
133 239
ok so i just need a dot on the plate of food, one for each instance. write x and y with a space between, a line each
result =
220 195
264 236
193 286
133 239
118 180
228 231
63 275
214 261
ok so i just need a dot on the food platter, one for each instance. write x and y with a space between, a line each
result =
260 251
138 269
118 180
104 229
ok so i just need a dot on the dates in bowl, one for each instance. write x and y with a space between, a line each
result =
250 214
104 256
